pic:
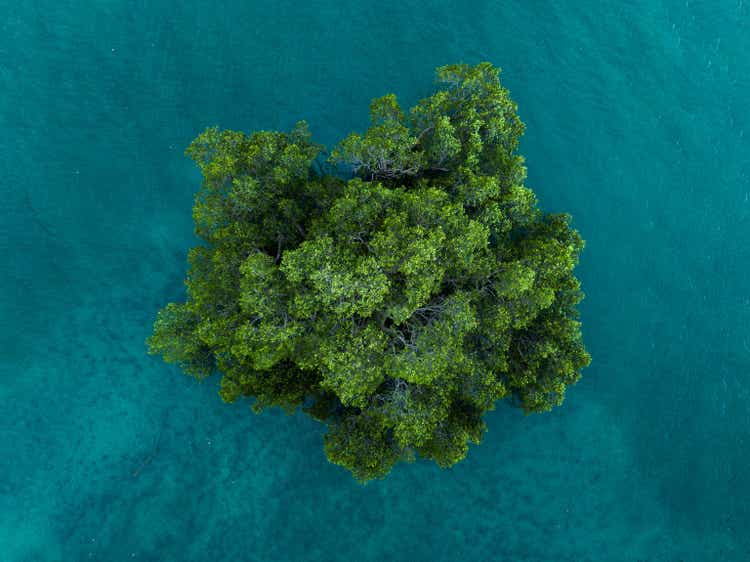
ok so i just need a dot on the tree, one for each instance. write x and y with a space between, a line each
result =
397 306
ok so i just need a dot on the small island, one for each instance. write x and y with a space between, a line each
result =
394 289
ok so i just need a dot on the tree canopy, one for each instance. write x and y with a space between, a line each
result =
397 304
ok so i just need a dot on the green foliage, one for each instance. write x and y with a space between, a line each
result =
396 307
388 150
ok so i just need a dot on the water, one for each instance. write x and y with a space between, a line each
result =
637 123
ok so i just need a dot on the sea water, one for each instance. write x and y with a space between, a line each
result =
638 124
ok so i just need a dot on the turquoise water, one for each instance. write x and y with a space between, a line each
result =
638 123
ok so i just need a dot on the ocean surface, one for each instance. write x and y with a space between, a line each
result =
638 124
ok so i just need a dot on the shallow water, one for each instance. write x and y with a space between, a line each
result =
637 124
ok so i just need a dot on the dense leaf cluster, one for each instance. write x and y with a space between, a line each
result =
398 306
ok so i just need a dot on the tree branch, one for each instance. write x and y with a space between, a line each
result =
278 250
